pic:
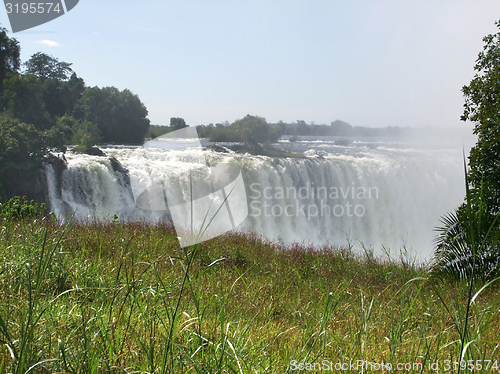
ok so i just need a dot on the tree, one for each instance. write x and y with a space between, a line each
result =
44 92
60 97
41 101
72 93
177 123
10 61
302 128
468 244
22 148
24 97
254 130
482 106
340 128
19 142
120 116
85 134
47 67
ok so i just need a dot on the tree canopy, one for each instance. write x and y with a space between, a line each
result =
177 123
10 60
22 149
468 244
44 66
254 130
120 116
49 89
482 106
251 130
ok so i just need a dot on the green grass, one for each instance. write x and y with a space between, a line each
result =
125 298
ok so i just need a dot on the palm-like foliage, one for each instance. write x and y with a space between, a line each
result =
465 250
467 246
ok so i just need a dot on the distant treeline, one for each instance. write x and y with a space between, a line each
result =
235 132
251 130
227 132
338 128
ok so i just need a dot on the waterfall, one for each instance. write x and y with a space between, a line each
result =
379 198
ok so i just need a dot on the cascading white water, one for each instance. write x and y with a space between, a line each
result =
376 198
391 200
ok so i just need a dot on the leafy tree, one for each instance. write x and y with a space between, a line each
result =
254 130
60 97
47 67
468 244
19 142
72 92
10 51
120 116
340 128
302 127
221 133
177 123
482 106
44 93
85 134
41 101
25 100
22 149
66 126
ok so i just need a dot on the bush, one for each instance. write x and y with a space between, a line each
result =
20 208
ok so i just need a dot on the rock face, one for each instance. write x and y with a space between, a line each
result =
26 183
32 182
219 148
118 168
92 151
59 164
73 185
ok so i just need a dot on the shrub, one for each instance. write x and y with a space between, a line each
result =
20 208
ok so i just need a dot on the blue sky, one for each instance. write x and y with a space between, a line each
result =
368 62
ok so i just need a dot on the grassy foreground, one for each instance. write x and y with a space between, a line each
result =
124 298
